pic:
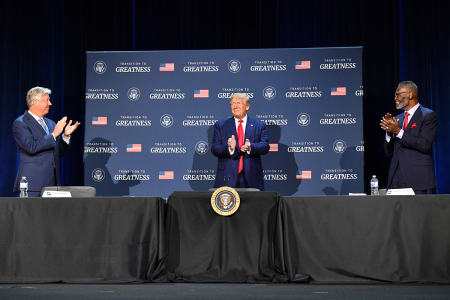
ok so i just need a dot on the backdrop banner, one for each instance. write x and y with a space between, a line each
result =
150 118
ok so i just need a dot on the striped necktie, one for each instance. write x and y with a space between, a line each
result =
41 121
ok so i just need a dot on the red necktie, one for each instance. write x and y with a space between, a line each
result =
240 134
405 123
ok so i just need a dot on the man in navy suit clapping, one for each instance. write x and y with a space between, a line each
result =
40 143
409 138
239 142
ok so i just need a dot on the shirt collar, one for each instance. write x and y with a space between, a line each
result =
34 116
413 109
236 120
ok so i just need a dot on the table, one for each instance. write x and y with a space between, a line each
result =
206 247
362 239
80 240
323 239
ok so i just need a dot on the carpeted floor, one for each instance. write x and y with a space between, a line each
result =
222 291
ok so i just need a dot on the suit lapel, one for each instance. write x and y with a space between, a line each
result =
415 118
249 128
231 127
32 122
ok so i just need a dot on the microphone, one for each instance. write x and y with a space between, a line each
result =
225 180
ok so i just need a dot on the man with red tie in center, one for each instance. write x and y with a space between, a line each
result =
409 138
239 142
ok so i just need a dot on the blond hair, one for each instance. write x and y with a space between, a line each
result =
36 93
241 96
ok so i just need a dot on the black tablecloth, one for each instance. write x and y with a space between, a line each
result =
329 239
80 239
366 238
206 247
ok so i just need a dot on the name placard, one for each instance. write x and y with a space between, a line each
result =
407 191
57 194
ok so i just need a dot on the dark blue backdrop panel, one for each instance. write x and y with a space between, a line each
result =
150 116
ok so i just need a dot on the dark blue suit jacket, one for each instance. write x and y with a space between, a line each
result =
39 152
412 153
255 132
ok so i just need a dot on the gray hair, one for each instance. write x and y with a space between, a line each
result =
36 93
241 96
411 86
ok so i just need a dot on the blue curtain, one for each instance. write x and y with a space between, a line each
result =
44 44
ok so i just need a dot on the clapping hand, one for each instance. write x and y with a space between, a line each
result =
59 127
390 124
232 143
246 147
70 128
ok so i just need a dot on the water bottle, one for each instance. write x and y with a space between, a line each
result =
24 188
374 185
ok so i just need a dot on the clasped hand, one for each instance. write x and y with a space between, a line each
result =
232 144
390 124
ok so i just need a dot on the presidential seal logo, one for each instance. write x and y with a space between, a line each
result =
100 67
98 175
133 94
269 93
234 66
166 121
339 146
201 147
225 201
303 119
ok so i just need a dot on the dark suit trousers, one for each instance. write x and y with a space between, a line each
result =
241 182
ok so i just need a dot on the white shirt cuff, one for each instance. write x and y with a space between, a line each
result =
66 140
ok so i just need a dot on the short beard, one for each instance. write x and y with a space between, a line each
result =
401 104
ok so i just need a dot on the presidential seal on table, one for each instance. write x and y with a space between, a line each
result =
225 201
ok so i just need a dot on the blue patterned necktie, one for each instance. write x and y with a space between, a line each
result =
41 121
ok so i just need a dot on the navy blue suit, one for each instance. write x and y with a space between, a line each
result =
412 153
255 132
39 152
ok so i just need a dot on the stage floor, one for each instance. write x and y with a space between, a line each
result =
223 291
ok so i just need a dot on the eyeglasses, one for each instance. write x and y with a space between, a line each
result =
397 94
